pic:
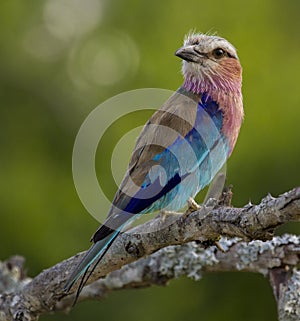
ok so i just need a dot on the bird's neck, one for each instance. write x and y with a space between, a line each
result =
228 96
213 85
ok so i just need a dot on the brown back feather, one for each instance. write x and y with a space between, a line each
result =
175 118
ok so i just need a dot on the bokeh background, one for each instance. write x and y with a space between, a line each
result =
60 58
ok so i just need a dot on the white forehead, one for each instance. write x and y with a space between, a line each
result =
208 43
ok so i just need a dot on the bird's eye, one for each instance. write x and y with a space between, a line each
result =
219 53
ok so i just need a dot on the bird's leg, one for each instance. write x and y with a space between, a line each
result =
192 206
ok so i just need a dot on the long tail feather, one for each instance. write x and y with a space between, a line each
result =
95 252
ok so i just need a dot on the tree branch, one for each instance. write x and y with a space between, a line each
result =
191 260
44 293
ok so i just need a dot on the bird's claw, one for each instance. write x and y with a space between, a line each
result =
192 206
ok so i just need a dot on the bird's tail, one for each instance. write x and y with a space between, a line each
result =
93 255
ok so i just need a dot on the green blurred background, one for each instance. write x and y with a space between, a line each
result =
60 58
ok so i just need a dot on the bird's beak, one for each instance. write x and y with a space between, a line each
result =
189 53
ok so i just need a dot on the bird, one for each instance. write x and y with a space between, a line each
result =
181 147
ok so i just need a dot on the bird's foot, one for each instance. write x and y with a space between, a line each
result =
192 206
164 214
204 209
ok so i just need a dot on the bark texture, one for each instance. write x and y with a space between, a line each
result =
170 247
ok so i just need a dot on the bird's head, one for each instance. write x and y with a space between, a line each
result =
210 63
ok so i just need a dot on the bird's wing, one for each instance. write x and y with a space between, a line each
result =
168 125
173 120
181 138
169 149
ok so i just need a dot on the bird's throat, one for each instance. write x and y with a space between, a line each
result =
213 86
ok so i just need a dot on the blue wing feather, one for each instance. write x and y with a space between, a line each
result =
188 164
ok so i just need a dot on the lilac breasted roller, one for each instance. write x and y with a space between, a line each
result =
181 147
